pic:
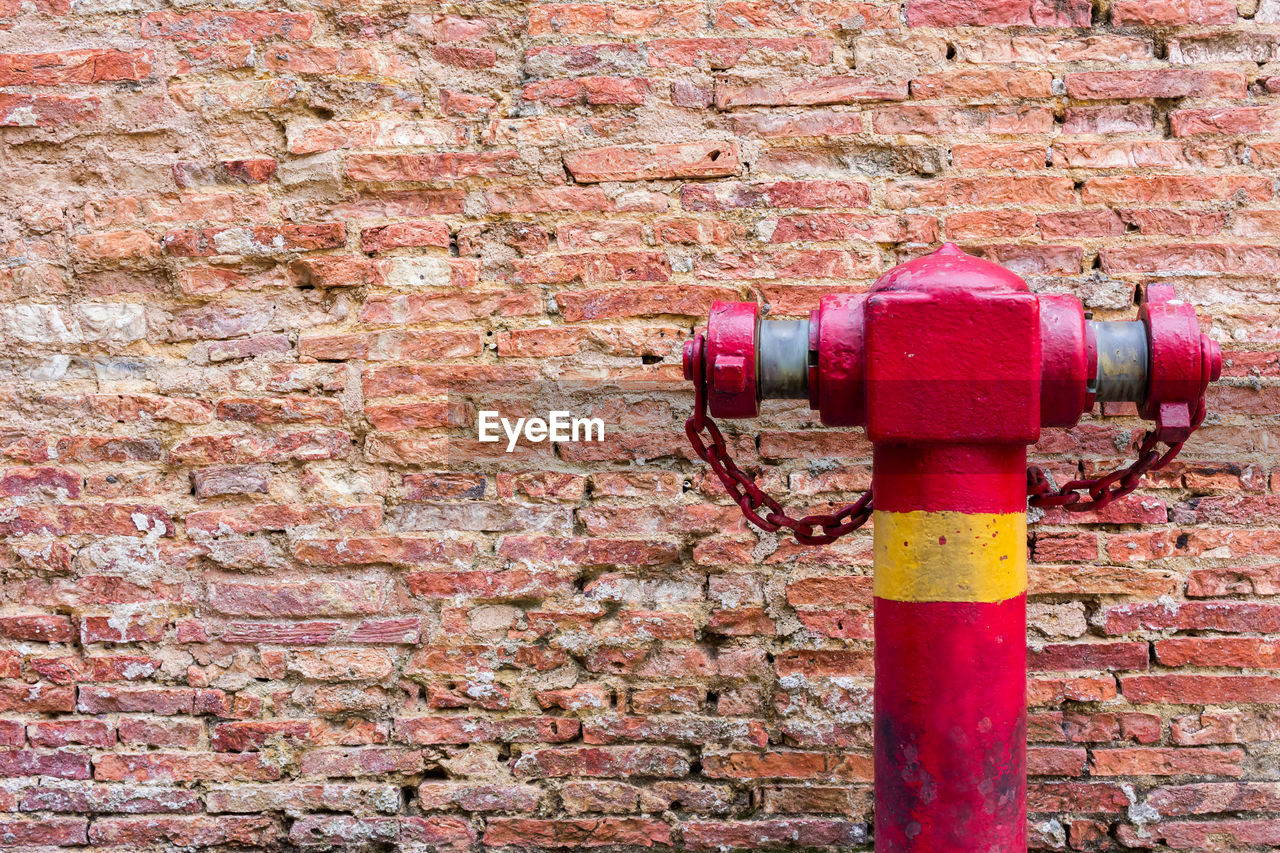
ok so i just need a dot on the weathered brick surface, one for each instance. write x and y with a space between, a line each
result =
262 587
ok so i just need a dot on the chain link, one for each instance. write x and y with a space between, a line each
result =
815 529
751 498
1103 490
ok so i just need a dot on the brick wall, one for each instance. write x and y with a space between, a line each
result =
262 586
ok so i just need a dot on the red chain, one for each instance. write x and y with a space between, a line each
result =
750 498
1104 490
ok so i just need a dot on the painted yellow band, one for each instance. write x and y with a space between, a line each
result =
950 556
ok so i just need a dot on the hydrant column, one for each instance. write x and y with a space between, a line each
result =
950 647
953 380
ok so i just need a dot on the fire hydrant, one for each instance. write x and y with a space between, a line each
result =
952 366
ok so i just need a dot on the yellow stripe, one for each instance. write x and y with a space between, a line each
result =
950 556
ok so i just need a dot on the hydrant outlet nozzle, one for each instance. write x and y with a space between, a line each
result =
746 359
1123 361
782 359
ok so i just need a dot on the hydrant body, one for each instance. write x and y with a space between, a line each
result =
953 366
953 399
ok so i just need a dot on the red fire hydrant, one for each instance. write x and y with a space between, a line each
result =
953 366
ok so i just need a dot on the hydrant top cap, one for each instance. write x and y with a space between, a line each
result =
948 269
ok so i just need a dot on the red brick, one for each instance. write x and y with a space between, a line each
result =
293 633
164 701
465 659
791 263
437 833
510 584
1194 615
391 550
1176 222
1166 13
1236 652
684 160
1030 189
1062 657
317 598
549 551
244 448
462 730
617 91
933 120
69 669
1212 835
1215 797
777 14
445 167
593 267
1235 580
181 831
807 194
579 305
773 834
1039 13
414 307
162 767
1096 797
1168 83
1224 120
73 66
173 733
19 110
128 627
619 761
402 234
62 733
829 227
982 84
102 519
590 832
1152 761
998 156
227 25
1059 727
1056 761
808 92
727 52
1054 691
257 241
279 410
60 765
479 797
12 733
990 223
41 831
40 628
389 346
251 519
1160 189
618 20
785 765
690 730
1198 689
